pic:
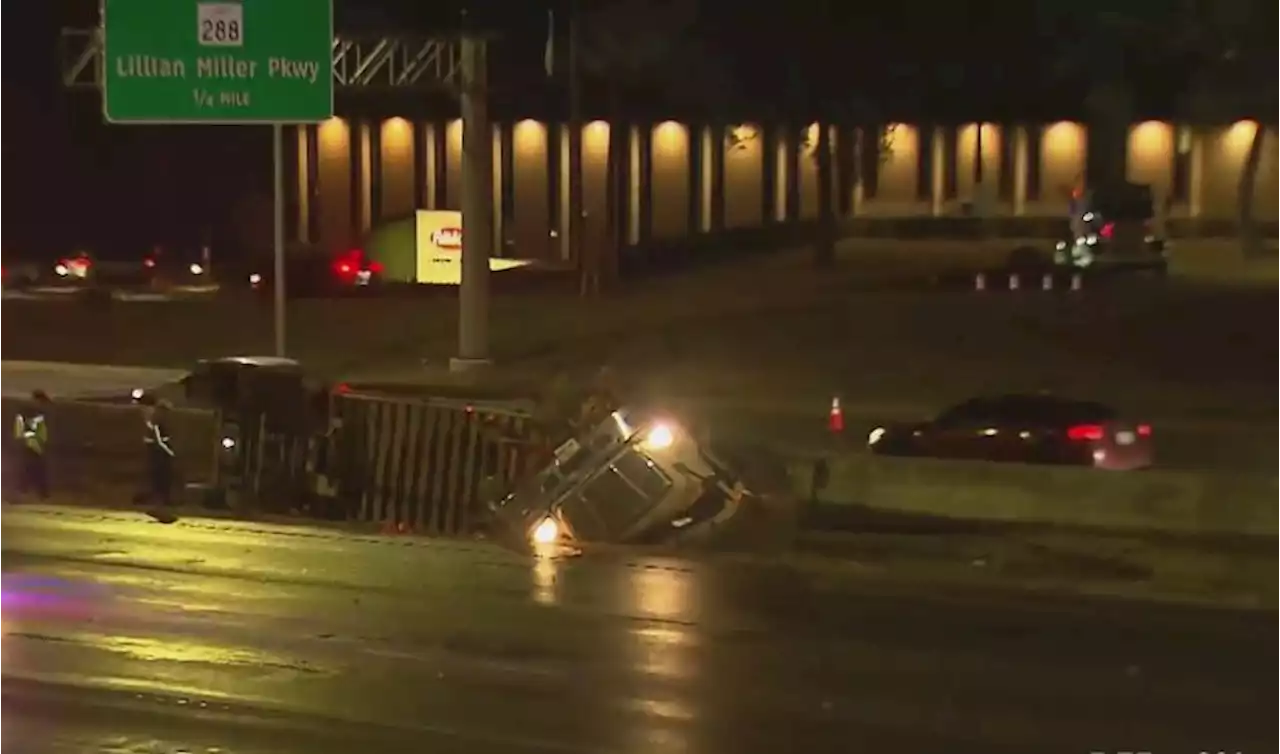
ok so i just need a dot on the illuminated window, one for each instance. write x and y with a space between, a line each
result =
1237 138
670 136
333 134
453 135
1063 139
530 137
595 137
741 137
397 136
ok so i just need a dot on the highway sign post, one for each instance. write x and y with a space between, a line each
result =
221 62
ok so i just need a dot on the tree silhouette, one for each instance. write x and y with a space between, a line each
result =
1211 52
649 50
1222 46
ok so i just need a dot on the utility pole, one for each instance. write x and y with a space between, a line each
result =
477 209
278 267
588 260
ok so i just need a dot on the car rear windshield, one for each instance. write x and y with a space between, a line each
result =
1027 408
1050 411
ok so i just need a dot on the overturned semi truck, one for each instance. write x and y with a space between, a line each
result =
637 476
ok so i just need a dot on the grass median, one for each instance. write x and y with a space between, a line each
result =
761 342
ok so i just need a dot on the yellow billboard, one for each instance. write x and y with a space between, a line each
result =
439 242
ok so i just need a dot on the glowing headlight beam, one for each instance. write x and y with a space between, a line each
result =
660 436
547 531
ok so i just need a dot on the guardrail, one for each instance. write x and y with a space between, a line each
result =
1189 502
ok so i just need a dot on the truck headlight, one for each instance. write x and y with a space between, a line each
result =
546 532
660 436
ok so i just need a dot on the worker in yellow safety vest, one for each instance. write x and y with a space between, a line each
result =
31 436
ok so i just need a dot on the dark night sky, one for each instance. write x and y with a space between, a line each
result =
73 180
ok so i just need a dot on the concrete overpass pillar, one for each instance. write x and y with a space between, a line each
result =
1021 169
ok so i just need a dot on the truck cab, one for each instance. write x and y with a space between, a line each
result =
636 476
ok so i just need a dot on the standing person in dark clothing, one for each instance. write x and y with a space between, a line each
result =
31 436
160 454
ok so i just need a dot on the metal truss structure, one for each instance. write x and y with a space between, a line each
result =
360 64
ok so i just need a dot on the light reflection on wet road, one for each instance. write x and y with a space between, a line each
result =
122 635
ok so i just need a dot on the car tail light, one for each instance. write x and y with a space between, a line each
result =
349 265
1144 430
341 388
1083 432
375 267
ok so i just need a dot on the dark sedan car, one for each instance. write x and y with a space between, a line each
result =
1023 429
312 273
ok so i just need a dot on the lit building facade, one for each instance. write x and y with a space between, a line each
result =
349 175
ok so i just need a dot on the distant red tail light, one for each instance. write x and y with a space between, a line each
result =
1083 432
341 388
348 265
1144 430
375 268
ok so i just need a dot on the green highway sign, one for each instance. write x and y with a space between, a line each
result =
217 61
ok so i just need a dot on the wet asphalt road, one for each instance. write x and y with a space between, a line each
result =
128 636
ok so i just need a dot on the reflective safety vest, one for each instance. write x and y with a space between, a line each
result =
157 438
32 432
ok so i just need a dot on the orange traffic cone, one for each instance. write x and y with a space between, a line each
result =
835 422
